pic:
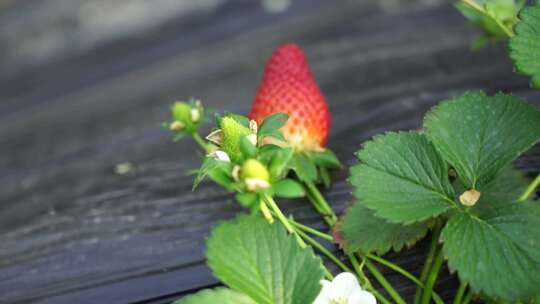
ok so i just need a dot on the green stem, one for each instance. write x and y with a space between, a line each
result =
334 259
324 251
308 229
272 204
428 263
437 263
384 283
530 189
367 283
460 292
481 10
468 297
198 139
320 204
403 272
327 274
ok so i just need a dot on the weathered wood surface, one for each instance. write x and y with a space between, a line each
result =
74 231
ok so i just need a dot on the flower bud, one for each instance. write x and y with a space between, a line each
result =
195 115
253 126
252 139
469 197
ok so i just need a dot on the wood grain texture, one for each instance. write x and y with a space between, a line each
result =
73 231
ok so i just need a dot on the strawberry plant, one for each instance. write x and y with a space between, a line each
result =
453 180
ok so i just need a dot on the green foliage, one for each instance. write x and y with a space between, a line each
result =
304 168
264 262
271 125
497 236
325 159
402 178
280 162
216 168
479 135
288 188
217 295
497 252
361 230
495 17
247 199
525 46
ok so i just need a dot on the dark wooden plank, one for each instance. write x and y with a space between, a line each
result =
74 231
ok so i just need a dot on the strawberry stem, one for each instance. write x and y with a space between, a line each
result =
202 144
321 205
530 189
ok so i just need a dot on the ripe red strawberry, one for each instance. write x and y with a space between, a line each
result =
288 86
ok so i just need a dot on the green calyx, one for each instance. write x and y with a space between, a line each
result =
233 132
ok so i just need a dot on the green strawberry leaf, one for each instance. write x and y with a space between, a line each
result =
479 135
524 47
264 262
402 178
217 295
360 230
288 188
497 252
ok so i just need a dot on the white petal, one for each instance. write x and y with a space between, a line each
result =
323 297
344 285
220 155
362 297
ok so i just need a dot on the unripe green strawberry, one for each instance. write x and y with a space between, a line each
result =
255 169
233 131
255 175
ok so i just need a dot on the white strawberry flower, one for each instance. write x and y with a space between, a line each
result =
344 289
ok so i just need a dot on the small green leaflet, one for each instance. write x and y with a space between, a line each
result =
271 125
218 295
525 45
361 230
280 162
402 178
264 262
208 166
288 188
304 168
479 135
325 159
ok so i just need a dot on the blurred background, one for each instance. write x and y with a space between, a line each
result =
95 201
